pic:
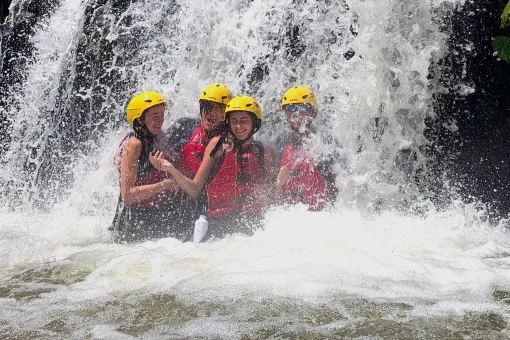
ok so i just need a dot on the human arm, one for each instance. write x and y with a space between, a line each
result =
263 190
285 171
270 174
282 178
130 192
269 165
194 186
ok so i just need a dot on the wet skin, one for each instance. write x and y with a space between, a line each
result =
211 120
154 118
241 124
302 122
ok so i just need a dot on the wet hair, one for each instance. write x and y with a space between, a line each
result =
141 130
207 106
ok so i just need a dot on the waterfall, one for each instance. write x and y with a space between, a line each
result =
371 73
367 268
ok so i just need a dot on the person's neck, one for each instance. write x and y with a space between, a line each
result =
242 145
247 143
211 133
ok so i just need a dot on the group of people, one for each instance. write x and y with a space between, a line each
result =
213 166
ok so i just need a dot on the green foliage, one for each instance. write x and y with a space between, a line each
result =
505 17
501 46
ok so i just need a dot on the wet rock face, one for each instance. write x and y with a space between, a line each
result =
4 10
16 28
87 71
471 135
93 55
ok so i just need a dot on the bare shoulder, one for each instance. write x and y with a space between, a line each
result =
133 146
134 142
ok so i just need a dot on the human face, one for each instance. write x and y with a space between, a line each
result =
300 117
241 124
154 118
211 119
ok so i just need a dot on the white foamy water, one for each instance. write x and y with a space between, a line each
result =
443 266
368 268
306 254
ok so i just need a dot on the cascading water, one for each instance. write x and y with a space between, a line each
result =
370 268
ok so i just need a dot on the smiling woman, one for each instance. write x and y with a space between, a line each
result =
241 124
238 172
154 117
145 208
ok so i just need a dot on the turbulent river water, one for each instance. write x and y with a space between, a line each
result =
383 263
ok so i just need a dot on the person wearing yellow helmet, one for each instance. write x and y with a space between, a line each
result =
190 137
145 210
213 101
306 174
299 105
240 169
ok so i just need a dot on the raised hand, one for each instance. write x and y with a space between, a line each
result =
159 162
283 177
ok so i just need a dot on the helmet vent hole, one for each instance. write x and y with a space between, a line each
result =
305 96
248 105
148 100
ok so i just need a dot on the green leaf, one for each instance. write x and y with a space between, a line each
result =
501 46
505 17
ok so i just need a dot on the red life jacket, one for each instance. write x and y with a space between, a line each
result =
306 185
233 186
193 152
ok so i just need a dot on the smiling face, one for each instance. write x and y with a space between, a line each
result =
154 118
212 116
241 124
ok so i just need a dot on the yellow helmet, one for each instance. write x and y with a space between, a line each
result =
245 103
299 94
216 93
142 102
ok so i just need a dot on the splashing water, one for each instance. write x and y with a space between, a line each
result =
370 268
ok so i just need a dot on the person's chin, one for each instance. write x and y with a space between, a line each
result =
156 130
242 136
